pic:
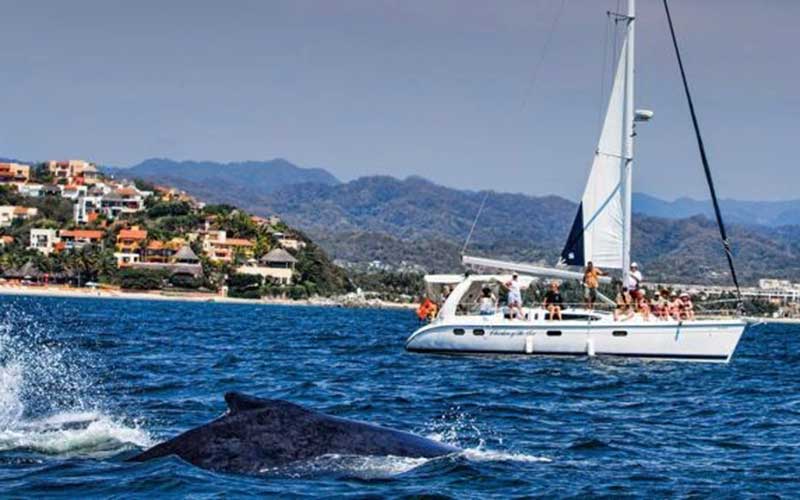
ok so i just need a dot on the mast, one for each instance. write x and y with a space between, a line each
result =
627 165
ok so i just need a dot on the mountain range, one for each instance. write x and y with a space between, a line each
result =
206 178
416 222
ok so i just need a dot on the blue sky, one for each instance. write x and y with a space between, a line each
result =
442 88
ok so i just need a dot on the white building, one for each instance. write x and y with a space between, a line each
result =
774 284
29 189
125 259
277 265
44 240
11 213
84 206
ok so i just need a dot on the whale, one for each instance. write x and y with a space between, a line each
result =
255 435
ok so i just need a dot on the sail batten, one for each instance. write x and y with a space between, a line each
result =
598 230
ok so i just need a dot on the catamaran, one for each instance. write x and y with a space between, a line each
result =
601 233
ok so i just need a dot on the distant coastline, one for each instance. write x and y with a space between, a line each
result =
349 301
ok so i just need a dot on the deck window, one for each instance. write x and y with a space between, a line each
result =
619 333
478 331
553 333
458 331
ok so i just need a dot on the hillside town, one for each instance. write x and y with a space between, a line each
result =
64 223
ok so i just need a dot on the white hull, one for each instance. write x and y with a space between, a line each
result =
707 340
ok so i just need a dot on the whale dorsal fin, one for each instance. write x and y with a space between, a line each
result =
237 402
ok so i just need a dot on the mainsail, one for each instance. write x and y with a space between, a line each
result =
597 232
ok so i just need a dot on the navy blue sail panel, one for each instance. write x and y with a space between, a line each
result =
573 250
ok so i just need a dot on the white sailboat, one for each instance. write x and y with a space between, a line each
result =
601 233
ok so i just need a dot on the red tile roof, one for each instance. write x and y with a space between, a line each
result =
127 192
237 242
132 234
81 233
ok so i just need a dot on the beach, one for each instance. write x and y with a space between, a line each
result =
350 300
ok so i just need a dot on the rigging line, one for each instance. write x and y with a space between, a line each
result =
546 46
474 222
706 168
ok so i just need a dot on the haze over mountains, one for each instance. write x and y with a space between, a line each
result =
415 221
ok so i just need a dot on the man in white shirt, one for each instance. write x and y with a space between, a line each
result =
634 278
514 296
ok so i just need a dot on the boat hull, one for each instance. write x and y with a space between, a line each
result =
701 340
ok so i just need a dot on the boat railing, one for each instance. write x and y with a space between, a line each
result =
700 311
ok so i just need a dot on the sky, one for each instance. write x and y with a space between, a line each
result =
502 95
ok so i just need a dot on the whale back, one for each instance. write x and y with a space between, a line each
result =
257 434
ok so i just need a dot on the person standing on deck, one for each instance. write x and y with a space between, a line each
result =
514 296
634 278
591 281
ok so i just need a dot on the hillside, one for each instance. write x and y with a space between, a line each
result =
216 182
414 222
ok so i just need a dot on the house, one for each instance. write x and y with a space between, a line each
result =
162 251
186 256
44 240
218 247
289 242
131 240
6 240
86 208
125 259
14 172
74 239
183 264
11 213
277 265
126 200
72 172
30 189
72 191
50 190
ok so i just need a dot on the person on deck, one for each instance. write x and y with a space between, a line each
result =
643 304
514 296
662 305
553 301
591 281
675 306
688 306
624 305
488 302
634 278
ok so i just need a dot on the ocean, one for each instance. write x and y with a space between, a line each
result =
86 383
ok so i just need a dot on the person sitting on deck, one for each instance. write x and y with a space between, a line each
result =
675 306
688 306
624 305
591 281
662 305
553 301
643 304
488 302
514 296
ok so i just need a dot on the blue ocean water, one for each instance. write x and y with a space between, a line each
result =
85 383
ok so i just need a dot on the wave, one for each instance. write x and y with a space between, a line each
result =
47 401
